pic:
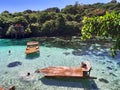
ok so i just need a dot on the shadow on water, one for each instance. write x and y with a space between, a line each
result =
87 84
101 52
32 56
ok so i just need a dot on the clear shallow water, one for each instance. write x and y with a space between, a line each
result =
104 67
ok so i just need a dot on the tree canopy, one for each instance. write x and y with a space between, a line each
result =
104 26
53 21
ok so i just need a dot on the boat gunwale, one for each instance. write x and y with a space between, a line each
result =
33 49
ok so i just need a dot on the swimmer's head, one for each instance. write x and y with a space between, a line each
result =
28 74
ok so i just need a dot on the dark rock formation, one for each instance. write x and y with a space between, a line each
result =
118 64
5 72
77 53
109 61
48 55
14 64
103 72
103 80
109 68
66 53
113 74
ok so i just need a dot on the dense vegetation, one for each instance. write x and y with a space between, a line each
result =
104 26
52 21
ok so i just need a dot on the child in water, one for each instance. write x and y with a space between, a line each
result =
9 51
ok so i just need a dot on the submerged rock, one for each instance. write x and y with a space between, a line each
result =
5 72
103 62
109 68
77 53
113 74
109 61
14 64
118 64
103 80
103 72
66 53
48 55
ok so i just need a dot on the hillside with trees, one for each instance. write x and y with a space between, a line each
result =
52 21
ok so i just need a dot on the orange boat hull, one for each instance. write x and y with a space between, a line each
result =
62 71
32 47
1 88
31 50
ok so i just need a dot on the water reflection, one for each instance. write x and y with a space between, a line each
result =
33 55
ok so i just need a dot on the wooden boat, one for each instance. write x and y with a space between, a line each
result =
2 88
61 71
32 47
11 88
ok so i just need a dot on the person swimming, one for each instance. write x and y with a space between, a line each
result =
9 51
28 74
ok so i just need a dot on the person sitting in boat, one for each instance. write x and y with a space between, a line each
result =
37 47
84 65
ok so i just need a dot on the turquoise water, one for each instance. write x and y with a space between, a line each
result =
105 68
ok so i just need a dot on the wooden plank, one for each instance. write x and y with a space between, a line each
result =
1 88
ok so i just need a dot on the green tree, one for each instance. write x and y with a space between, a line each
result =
48 28
27 11
20 20
113 1
72 28
43 16
60 24
103 26
69 17
32 18
69 10
54 9
11 31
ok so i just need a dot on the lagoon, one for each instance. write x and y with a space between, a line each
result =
105 68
